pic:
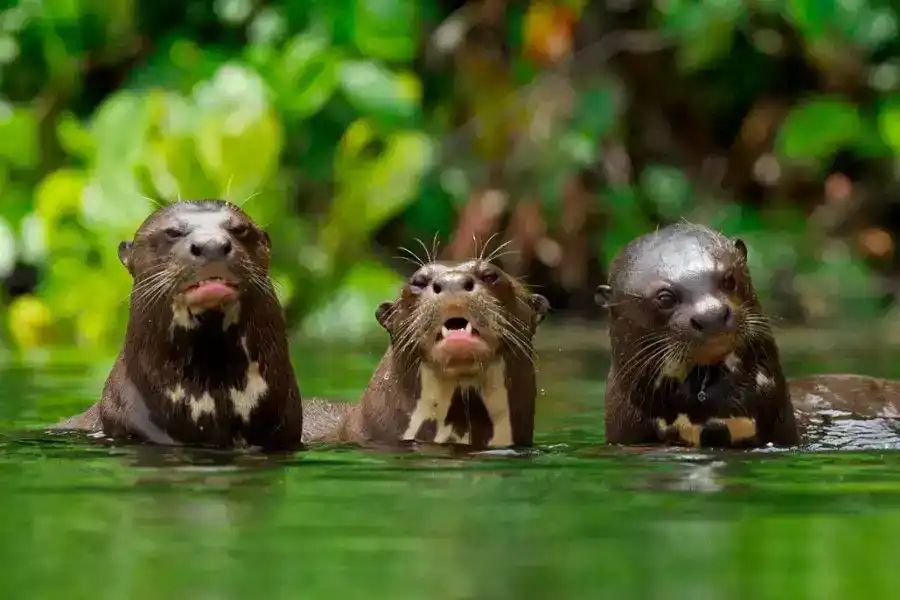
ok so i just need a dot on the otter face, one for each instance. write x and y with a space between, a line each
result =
691 284
459 317
198 255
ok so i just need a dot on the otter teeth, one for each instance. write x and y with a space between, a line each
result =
445 331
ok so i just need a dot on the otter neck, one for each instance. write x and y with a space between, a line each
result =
198 346
471 409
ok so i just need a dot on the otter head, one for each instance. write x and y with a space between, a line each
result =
197 257
460 318
683 293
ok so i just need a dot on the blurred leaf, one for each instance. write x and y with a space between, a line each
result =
29 321
239 136
59 194
813 17
596 111
74 137
817 128
387 29
308 74
705 29
119 128
371 190
19 142
668 188
351 311
377 92
700 50
627 221
7 248
889 123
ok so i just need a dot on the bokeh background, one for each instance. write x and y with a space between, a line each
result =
351 128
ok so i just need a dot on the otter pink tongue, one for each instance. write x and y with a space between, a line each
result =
463 335
209 294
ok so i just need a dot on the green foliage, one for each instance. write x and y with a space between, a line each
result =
204 120
313 116
817 128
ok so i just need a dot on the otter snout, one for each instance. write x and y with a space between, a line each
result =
711 316
453 283
209 247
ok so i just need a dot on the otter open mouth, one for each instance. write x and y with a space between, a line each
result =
457 328
210 293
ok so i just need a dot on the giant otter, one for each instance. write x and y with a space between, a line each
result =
205 359
459 367
693 358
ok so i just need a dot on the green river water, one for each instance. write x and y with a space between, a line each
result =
573 519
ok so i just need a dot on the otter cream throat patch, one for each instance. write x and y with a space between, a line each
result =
437 395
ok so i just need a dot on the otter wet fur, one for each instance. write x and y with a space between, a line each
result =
205 360
460 367
694 361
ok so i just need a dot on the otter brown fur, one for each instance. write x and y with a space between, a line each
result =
205 359
820 398
694 360
459 367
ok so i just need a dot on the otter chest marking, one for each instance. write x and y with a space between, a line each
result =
739 429
437 395
244 401
185 319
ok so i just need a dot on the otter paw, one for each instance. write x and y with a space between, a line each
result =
715 434
681 431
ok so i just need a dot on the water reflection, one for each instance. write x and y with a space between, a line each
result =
571 519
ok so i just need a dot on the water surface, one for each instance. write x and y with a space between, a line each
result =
572 519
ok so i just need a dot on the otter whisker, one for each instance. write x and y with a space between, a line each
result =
485 246
498 251
155 203
413 258
244 202
645 344
145 292
435 246
425 248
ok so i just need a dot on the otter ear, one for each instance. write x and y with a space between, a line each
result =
383 314
266 238
603 295
540 305
125 253
741 247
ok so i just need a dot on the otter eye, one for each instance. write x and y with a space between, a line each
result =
728 282
490 276
418 282
666 300
173 233
240 230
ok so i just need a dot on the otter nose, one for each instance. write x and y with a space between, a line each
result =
213 248
712 317
453 282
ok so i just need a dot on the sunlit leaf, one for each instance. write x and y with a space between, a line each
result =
308 74
813 17
19 142
380 93
74 137
387 29
668 188
119 128
7 248
59 194
350 312
817 128
29 321
239 137
889 123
